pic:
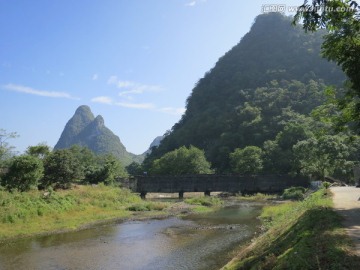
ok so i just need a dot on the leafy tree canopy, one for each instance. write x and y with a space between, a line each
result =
5 147
88 161
112 169
341 45
182 161
24 173
134 168
247 160
322 156
61 168
40 151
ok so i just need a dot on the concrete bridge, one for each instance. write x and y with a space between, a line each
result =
213 183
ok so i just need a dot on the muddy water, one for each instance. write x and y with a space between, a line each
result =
201 241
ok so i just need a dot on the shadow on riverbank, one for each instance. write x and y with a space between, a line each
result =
310 236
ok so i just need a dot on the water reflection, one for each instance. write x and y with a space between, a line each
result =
195 242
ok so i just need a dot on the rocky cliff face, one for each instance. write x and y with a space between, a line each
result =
156 142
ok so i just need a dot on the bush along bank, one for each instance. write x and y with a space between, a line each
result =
299 235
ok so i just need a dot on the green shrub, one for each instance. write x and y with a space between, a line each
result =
294 193
257 197
138 207
204 201
147 206
326 185
24 173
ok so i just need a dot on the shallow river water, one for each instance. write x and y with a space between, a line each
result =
199 241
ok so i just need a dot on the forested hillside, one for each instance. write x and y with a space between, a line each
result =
84 129
260 93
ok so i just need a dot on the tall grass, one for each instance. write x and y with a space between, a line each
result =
27 213
257 197
22 207
300 235
284 213
205 201
294 193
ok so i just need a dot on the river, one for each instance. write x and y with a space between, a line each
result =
198 241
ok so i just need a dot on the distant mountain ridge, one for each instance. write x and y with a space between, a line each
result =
85 129
155 143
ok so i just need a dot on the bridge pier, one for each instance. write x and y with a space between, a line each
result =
207 193
143 195
181 194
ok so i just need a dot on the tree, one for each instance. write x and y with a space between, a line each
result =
5 148
87 160
322 156
278 153
182 161
24 173
61 168
247 160
134 168
112 169
108 169
40 151
342 43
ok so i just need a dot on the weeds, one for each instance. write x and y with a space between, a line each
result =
300 235
258 197
294 193
205 201
35 211
147 206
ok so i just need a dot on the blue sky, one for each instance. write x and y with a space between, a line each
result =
132 61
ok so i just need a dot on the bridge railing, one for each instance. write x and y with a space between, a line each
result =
213 182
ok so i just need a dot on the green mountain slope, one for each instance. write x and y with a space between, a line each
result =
85 130
82 117
273 74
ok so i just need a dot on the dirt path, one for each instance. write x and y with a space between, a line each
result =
347 203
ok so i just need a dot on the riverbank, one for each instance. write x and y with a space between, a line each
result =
194 241
42 213
299 235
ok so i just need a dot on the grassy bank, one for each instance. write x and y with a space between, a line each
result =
258 197
204 204
300 235
29 213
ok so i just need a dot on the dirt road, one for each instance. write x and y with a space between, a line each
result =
347 203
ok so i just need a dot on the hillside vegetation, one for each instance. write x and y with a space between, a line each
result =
271 91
